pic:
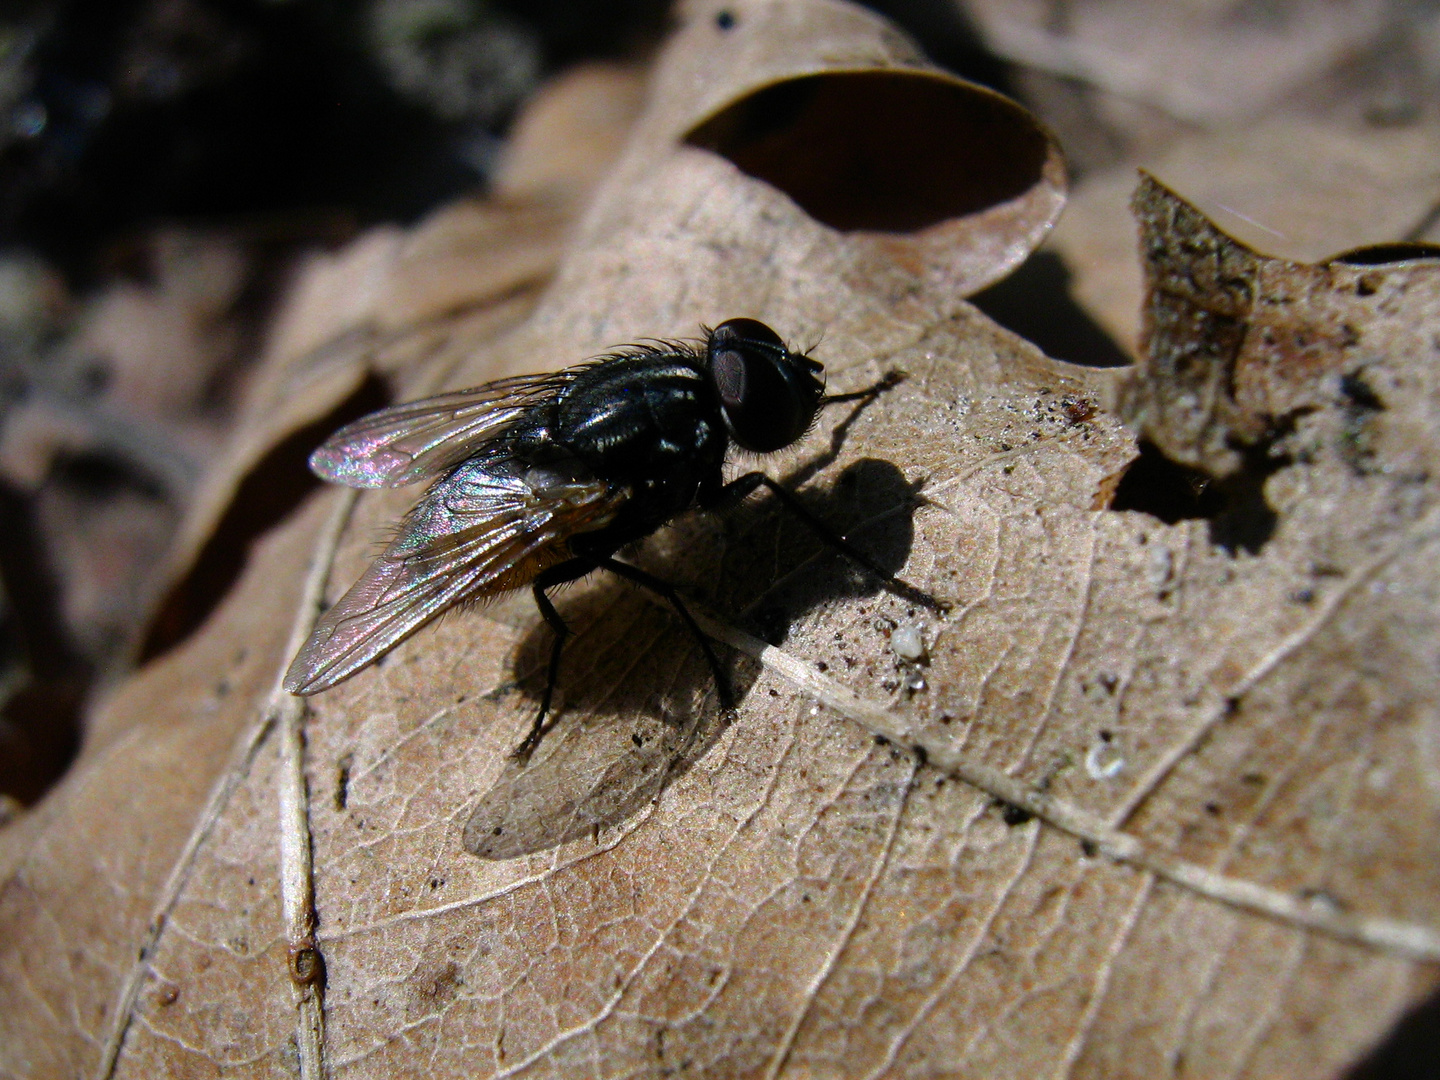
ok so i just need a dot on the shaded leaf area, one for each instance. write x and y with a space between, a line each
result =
1142 801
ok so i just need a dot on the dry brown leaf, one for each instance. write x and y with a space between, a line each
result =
1295 186
1208 62
1301 127
1138 803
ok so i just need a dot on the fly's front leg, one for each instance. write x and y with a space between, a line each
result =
559 574
735 492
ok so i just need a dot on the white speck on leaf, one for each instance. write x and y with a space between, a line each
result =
908 643
1104 761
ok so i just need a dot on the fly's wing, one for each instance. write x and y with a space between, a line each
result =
409 442
491 527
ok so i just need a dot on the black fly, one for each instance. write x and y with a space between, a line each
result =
543 478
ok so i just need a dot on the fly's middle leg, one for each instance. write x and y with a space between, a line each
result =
559 574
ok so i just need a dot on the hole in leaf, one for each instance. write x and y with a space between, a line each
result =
888 151
273 488
1235 506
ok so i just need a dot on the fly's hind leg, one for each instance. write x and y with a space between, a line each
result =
559 574
666 592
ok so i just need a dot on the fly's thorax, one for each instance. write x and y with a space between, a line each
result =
651 422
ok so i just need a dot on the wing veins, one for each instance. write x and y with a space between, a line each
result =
414 440
492 541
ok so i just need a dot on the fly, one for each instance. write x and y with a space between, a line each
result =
543 478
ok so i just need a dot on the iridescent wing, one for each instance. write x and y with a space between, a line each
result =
491 527
419 439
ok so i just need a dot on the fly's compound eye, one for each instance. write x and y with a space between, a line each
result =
768 394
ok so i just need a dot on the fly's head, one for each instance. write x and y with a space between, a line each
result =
768 395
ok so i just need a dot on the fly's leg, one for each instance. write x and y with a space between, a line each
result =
666 591
735 492
870 393
559 574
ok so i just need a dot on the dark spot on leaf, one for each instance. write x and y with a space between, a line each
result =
307 966
1384 255
1359 393
342 782
1013 815
1409 1051
441 985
